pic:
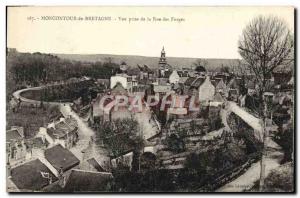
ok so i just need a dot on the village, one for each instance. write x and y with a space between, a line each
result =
95 140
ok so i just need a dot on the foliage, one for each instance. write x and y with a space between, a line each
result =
280 179
31 118
225 69
121 135
285 138
199 162
200 65
175 143
34 69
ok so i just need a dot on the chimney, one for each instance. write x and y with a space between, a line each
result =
8 170
61 119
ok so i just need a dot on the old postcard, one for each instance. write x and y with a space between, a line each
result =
150 99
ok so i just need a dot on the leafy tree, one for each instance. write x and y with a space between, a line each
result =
202 162
175 143
285 138
200 65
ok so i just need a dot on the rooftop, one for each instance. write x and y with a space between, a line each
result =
62 128
36 142
13 134
60 157
28 176
197 83
83 181
95 164
189 81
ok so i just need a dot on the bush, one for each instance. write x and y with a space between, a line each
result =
175 144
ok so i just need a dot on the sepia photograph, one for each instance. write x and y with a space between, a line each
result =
174 99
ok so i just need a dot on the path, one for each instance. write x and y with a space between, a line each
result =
17 95
85 148
248 179
274 152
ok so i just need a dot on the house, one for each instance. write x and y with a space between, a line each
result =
184 72
221 75
187 84
251 86
221 86
95 165
268 97
82 181
114 80
145 75
124 160
103 83
15 145
162 89
233 95
174 77
217 100
61 158
178 108
233 89
119 89
64 132
281 77
36 146
30 176
206 90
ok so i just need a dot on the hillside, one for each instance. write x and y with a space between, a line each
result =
152 62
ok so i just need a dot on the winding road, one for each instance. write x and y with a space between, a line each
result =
85 148
18 95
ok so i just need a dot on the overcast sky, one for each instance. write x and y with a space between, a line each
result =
207 32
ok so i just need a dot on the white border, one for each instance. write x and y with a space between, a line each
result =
3 4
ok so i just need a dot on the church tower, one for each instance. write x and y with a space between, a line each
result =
162 63
162 60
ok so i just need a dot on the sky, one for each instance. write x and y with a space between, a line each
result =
203 32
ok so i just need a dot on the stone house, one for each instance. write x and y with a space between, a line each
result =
174 78
64 132
15 145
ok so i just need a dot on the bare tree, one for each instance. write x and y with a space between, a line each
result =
266 44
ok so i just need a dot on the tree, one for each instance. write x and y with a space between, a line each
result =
202 162
266 44
225 69
175 143
200 65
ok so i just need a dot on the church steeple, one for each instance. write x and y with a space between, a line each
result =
162 64
162 60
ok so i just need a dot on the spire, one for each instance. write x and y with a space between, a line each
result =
163 49
162 62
